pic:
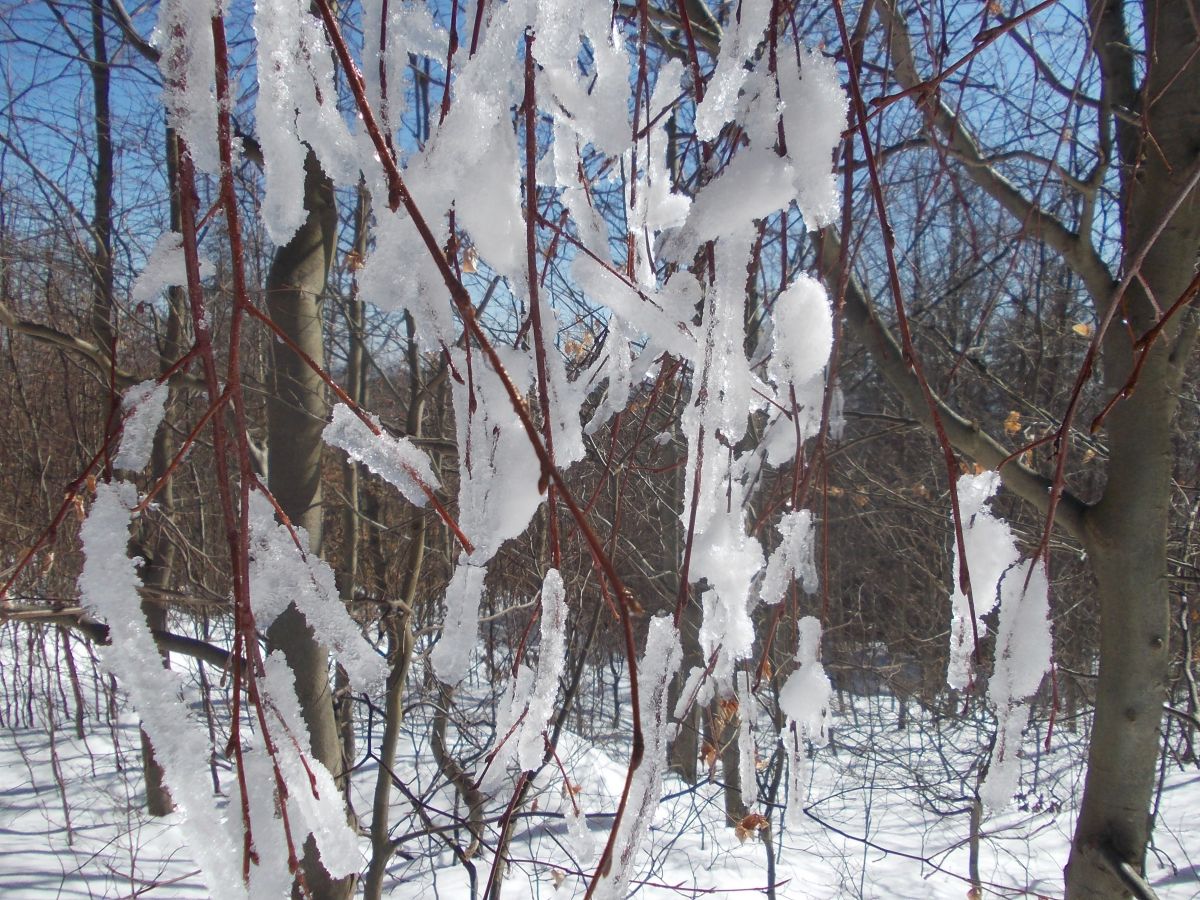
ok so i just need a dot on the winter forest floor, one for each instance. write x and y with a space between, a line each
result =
887 813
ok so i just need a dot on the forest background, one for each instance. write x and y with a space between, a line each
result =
797 278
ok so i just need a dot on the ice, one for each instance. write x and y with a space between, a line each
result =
314 807
565 398
477 143
616 365
451 656
1004 772
498 493
804 698
529 699
724 400
400 275
581 843
313 801
109 589
804 701
729 559
282 573
499 473
410 29
991 551
165 267
650 314
697 692
803 420
593 103
657 667
737 48
665 208
747 755
802 334
1023 643
297 109
276 23
755 184
143 406
814 115
319 123
396 460
1023 649
552 657
792 559
512 706
796 750
183 35
837 415
472 165
591 227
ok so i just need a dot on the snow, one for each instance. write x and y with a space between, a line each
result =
991 551
142 405
742 37
804 698
284 571
471 163
657 667
399 275
275 112
165 267
529 699
396 460
813 106
451 656
187 67
871 788
410 28
498 494
314 801
755 184
1023 648
594 103
802 334
747 750
108 587
296 110
792 559
1023 638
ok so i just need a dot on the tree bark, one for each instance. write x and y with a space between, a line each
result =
296 413
1125 532
1127 529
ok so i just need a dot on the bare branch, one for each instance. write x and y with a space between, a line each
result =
89 351
1075 248
967 437
123 19
77 619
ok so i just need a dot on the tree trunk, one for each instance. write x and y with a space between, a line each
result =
1127 530
102 182
1127 546
685 749
296 413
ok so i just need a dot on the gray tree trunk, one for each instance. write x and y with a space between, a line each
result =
1126 531
296 413
1157 131
160 553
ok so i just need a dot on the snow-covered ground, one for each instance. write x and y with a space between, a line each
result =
887 814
